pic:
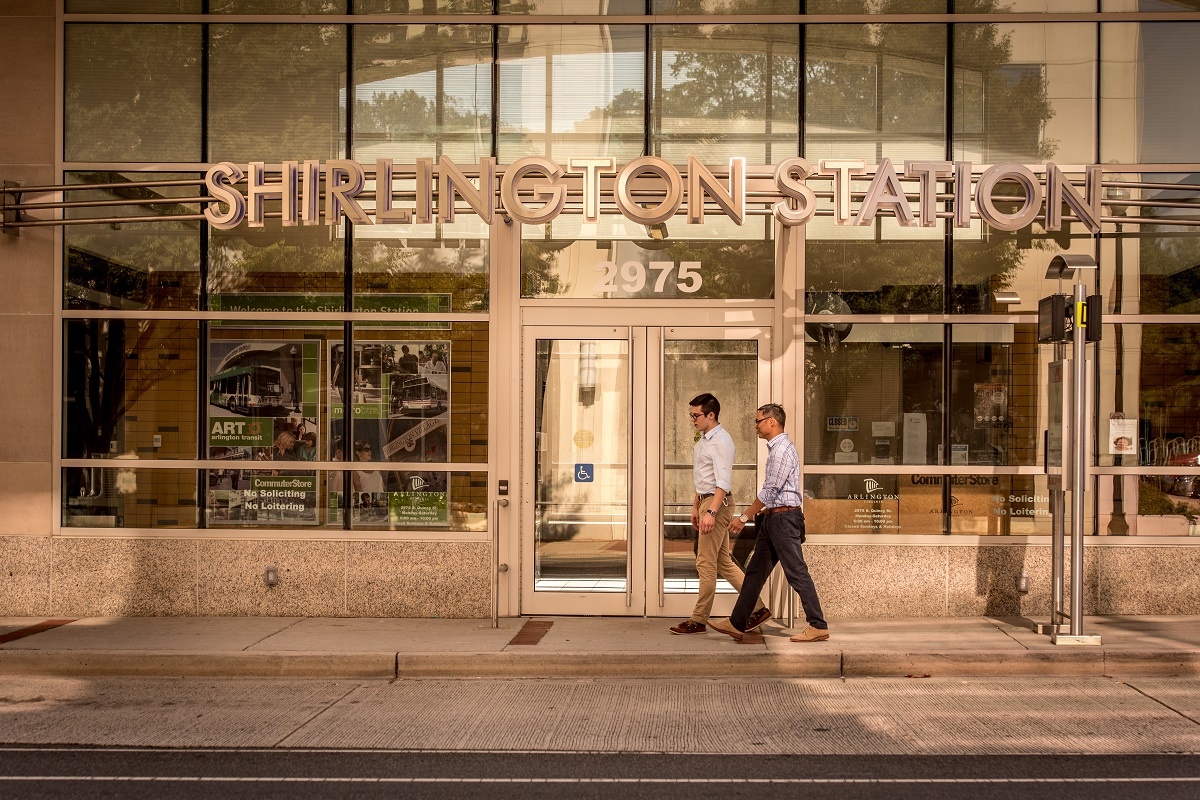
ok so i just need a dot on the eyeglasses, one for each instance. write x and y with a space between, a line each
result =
758 420
695 416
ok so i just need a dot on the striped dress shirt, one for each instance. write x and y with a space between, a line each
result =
781 487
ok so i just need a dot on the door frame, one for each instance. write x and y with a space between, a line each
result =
646 330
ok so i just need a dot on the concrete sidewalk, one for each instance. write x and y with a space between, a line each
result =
584 647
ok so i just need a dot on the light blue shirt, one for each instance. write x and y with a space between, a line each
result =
712 461
781 486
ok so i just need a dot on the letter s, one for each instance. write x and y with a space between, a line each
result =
218 182
789 177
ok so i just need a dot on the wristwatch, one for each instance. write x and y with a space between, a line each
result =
743 518
710 511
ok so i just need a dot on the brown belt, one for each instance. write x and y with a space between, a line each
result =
778 510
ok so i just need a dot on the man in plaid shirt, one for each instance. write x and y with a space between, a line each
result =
779 518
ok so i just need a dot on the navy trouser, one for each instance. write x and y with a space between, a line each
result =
778 541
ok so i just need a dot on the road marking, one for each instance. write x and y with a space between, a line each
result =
808 781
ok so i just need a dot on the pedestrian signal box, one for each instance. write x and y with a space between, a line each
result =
1055 319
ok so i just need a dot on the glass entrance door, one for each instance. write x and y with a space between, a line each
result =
607 462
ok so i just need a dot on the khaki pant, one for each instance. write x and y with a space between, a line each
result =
713 558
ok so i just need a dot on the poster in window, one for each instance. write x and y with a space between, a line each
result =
262 410
400 401
991 405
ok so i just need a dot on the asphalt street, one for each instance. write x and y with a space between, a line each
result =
208 773
628 738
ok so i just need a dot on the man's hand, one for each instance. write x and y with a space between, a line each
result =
736 525
695 519
707 522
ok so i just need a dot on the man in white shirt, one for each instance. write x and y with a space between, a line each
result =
712 510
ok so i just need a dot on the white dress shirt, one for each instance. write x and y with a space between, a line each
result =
712 461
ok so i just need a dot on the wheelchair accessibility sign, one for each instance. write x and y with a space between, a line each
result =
584 473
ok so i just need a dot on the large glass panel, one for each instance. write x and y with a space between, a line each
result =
129 389
247 7
276 269
407 500
126 497
134 6
573 7
617 259
874 92
132 266
987 261
854 7
725 91
581 510
132 92
422 91
1023 6
1150 102
293 110
266 395
572 90
396 270
421 6
1151 268
735 7
995 383
1149 415
1149 5
729 370
1025 93
873 394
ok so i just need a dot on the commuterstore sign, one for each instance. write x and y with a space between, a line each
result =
533 191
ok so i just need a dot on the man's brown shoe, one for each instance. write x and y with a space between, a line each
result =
687 626
725 627
811 634
757 619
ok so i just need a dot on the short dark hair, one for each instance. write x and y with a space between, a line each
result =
775 412
361 444
708 404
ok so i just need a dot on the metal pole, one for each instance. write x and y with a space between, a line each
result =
1079 454
1058 516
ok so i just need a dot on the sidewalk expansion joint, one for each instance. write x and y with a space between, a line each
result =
274 633
316 714
40 627
1167 706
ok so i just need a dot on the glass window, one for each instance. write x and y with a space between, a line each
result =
987 261
1151 269
129 389
127 497
1023 6
134 6
1150 101
616 258
1149 5
1149 415
294 110
576 7
406 500
276 269
892 272
422 91
874 394
136 265
995 383
247 7
853 7
738 7
727 91
421 6
572 91
132 93
874 92
1025 93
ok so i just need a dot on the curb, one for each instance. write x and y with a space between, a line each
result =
1089 663
237 664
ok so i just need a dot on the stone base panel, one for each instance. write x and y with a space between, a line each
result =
96 577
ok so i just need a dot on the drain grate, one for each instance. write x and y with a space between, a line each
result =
532 632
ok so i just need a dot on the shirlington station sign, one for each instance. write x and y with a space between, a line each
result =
647 190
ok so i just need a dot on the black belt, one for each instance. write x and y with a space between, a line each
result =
778 510
704 497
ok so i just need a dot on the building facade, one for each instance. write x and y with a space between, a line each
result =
594 211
